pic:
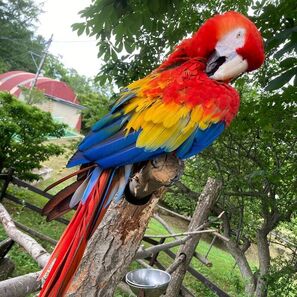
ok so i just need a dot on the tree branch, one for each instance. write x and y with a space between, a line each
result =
142 254
20 286
164 224
36 251
239 257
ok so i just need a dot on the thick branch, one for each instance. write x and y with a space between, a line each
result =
175 214
239 257
142 254
20 286
156 175
204 205
116 241
164 224
36 251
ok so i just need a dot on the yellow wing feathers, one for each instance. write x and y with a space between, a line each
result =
165 125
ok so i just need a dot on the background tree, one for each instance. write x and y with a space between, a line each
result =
23 132
17 39
255 158
133 36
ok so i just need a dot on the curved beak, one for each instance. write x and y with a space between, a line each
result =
225 68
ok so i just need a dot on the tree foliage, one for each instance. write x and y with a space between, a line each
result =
17 38
133 36
24 131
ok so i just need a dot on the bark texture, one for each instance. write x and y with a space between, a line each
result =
204 205
264 262
116 241
239 256
36 251
20 286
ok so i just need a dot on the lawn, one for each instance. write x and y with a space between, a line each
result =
223 272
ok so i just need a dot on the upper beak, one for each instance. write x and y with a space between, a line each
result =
225 68
214 62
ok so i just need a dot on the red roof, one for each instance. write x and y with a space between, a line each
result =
10 81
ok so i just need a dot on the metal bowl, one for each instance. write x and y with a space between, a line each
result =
151 282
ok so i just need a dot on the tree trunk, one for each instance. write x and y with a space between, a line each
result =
21 285
240 258
204 204
243 266
116 241
264 263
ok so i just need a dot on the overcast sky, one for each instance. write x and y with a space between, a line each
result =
76 52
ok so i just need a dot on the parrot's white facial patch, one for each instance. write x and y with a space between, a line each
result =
230 42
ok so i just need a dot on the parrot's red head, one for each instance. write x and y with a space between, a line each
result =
230 43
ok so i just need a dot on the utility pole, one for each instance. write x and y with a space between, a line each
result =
43 57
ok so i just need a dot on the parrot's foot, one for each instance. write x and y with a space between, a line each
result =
162 171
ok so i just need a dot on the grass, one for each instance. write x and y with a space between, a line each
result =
223 273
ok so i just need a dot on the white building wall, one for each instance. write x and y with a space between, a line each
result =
65 114
61 112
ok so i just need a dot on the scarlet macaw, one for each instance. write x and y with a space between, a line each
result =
181 107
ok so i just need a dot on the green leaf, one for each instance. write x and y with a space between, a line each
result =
80 31
281 80
289 62
129 46
77 26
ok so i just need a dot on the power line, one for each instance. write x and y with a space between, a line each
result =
73 41
48 43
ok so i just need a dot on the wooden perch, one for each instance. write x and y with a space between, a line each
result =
145 253
116 241
182 234
155 175
26 284
164 224
36 251
20 286
204 205
178 261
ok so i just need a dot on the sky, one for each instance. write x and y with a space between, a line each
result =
75 52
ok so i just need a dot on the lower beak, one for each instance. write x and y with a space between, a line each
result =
214 62
231 69
224 69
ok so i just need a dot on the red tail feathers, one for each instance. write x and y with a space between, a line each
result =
67 255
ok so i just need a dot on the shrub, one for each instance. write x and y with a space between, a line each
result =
24 130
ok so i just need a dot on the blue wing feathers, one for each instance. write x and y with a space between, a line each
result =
123 100
202 139
77 159
98 136
93 180
111 146
119 149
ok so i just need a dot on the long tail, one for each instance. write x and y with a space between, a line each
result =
93 192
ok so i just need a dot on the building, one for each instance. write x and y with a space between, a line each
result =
62 102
